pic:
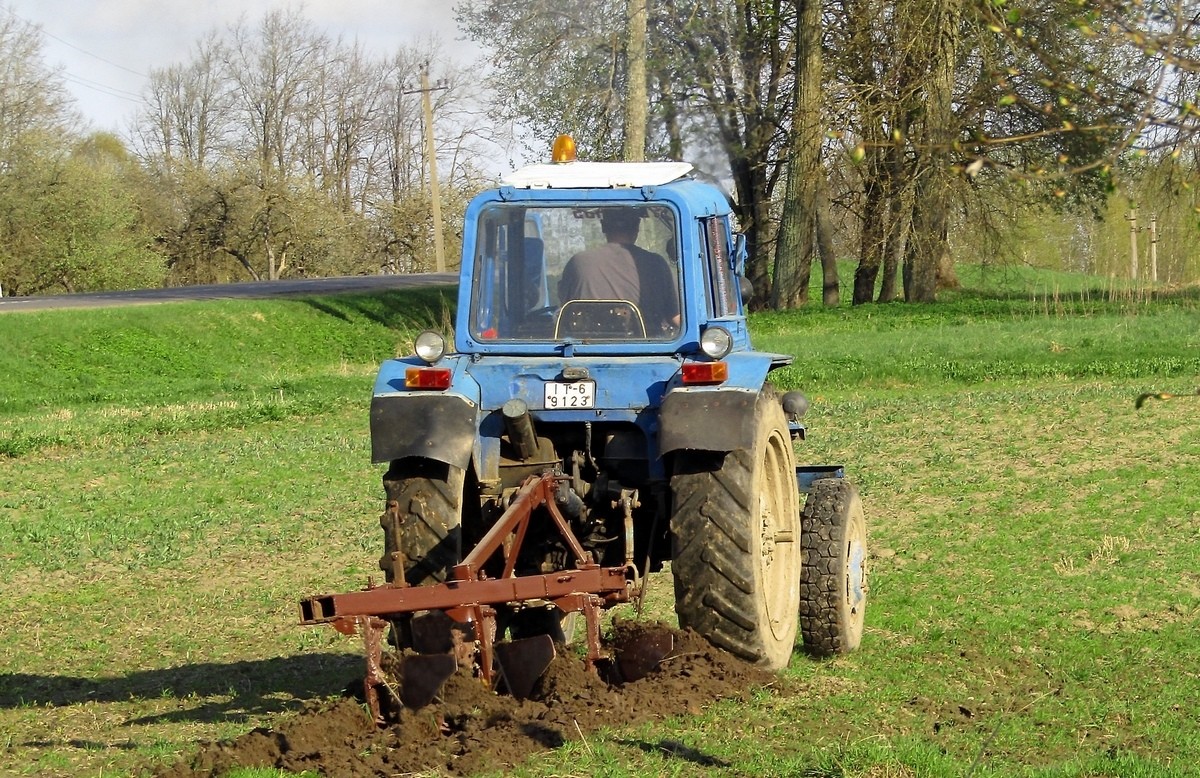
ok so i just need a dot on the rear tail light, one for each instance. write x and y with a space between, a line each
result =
701 373
434 378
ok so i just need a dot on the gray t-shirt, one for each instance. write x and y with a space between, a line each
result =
617 271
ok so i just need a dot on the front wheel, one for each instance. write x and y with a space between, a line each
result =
735 529
833 576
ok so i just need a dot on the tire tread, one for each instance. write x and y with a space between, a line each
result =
714 567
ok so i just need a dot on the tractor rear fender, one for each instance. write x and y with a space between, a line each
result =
707 420
438 425
428 426
716 418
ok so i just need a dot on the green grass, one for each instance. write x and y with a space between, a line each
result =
122 374
979 336
187 351
175 476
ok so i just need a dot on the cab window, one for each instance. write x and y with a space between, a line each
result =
551 272
722 283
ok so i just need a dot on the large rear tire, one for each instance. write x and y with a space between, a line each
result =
833 577
422 520
736 532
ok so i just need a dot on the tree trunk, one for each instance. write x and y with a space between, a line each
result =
242 259
871 239
947 278
753 210
928 243
899 212
891 264
636 99
899 221
794 248
831 290
670 119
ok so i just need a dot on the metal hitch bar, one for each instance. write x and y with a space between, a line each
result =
470 597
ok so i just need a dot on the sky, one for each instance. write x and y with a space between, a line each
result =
107 47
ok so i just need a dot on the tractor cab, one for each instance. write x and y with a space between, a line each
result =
547 271
600 258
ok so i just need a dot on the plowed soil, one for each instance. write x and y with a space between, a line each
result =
470 729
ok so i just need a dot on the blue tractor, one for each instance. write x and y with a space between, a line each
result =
567 440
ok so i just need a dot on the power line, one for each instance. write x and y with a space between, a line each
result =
90 54
87 83
96 86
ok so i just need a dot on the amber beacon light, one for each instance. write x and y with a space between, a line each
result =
563 149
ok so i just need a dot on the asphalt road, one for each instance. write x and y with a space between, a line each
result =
252 289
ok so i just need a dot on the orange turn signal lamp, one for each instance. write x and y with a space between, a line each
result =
705 373
429 378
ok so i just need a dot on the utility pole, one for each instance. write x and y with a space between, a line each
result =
1133 247
1154 247
439 250
435 193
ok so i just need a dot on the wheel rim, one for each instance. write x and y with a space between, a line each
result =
856 579
778 540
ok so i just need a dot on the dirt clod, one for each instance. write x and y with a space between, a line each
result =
470 729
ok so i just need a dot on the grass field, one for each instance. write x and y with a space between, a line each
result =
173 477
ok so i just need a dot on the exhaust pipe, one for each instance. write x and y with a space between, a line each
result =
519 425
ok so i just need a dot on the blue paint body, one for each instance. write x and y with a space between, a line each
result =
632 376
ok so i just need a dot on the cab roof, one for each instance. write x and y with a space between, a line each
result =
596 175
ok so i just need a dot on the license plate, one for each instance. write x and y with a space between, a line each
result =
577 394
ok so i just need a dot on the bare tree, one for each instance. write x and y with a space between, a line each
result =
879 75
561 67
938 107
34 101
347 94
188 109
273 68
734 60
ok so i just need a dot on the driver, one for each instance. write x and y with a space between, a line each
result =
621 270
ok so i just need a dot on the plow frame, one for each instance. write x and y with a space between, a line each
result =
469 597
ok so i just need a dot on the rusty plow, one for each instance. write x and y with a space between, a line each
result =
454 623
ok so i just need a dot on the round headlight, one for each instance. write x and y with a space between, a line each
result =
716 342
430 346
